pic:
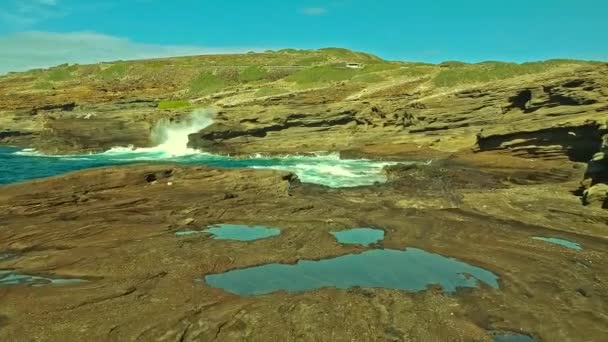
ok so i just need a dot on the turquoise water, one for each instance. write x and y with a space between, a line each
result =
14 278
359 236
6 256
411 270
241 232
561 242
188 232
511 337
329 170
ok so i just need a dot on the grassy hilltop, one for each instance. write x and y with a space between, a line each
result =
176 81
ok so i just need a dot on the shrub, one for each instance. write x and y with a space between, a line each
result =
380 67
253 73
490 71
268 91
322 74
44 85
369 78
228 75
206 82
114 71
59 74
414 71
172 104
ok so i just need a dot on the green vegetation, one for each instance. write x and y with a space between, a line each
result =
349 55
269 91
380 67
253 73
173 104
115 71
490 71
369 78
228 75
453 64
45 85
206 83
59 74
272 72
414 71
322 74
312 60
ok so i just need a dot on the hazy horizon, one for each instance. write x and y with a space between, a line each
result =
43 33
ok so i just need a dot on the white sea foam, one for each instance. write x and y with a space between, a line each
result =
29 152
171 137
171 143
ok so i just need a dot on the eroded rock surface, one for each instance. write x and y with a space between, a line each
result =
115 227
502 162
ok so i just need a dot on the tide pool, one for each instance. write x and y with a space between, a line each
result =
510 337
238 232
410 270
359 236
241 232
6 255
15 278
561 242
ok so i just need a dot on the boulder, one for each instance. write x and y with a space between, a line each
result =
596 196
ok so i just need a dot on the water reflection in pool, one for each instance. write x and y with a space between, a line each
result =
15 278
561 242
359 236
501 336
411 270
238 232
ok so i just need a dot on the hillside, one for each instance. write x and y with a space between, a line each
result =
496 167
294 101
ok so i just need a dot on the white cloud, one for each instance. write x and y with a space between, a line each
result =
28 50
20 14
314 10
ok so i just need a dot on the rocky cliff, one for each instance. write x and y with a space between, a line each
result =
301 101
510 151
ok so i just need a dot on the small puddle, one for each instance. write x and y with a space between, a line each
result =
188 232
410 270
506 336
359 236
14 278
561 242
7 256
237 232
241 232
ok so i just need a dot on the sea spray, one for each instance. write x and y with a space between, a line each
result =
171 145
172 137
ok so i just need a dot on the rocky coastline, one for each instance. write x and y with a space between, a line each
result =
499 163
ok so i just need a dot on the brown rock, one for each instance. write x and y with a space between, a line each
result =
596 196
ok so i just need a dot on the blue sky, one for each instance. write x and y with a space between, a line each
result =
45 32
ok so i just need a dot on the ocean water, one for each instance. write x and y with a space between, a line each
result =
171 147
410 270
